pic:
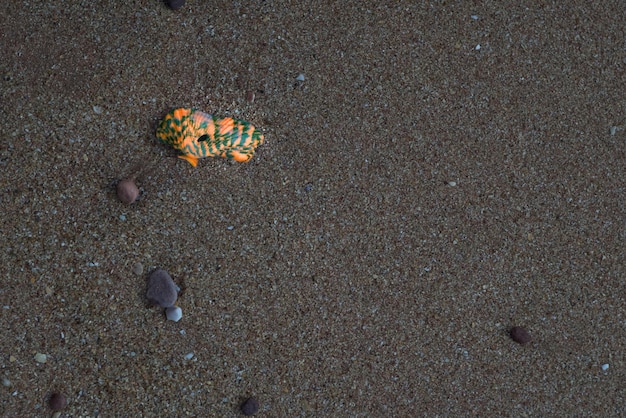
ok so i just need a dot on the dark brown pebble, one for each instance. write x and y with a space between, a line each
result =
520 335
175 4
127 191
57 401
250 407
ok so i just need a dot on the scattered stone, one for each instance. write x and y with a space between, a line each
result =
127 191
300 77
57 402
250 96
162 290
138 269
175 4
520 335
605 367
250 407
41 358
174 313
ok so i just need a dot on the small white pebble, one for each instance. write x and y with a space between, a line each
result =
452 183
300 77
474 17
41 358
122 217
613 130
98 110
188 356
174 313
230 227
6 382
605 367
477 47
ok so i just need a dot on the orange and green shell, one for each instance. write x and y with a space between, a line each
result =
196 134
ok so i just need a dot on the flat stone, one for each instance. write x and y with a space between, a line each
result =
250 406
520 335
57 401
175 4
162 290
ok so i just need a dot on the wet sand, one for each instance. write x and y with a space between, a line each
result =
443 172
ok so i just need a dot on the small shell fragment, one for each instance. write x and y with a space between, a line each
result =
174 313
138 269
41 358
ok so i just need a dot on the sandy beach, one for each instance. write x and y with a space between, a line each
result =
433 174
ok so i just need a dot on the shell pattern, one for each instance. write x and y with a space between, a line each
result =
196 134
